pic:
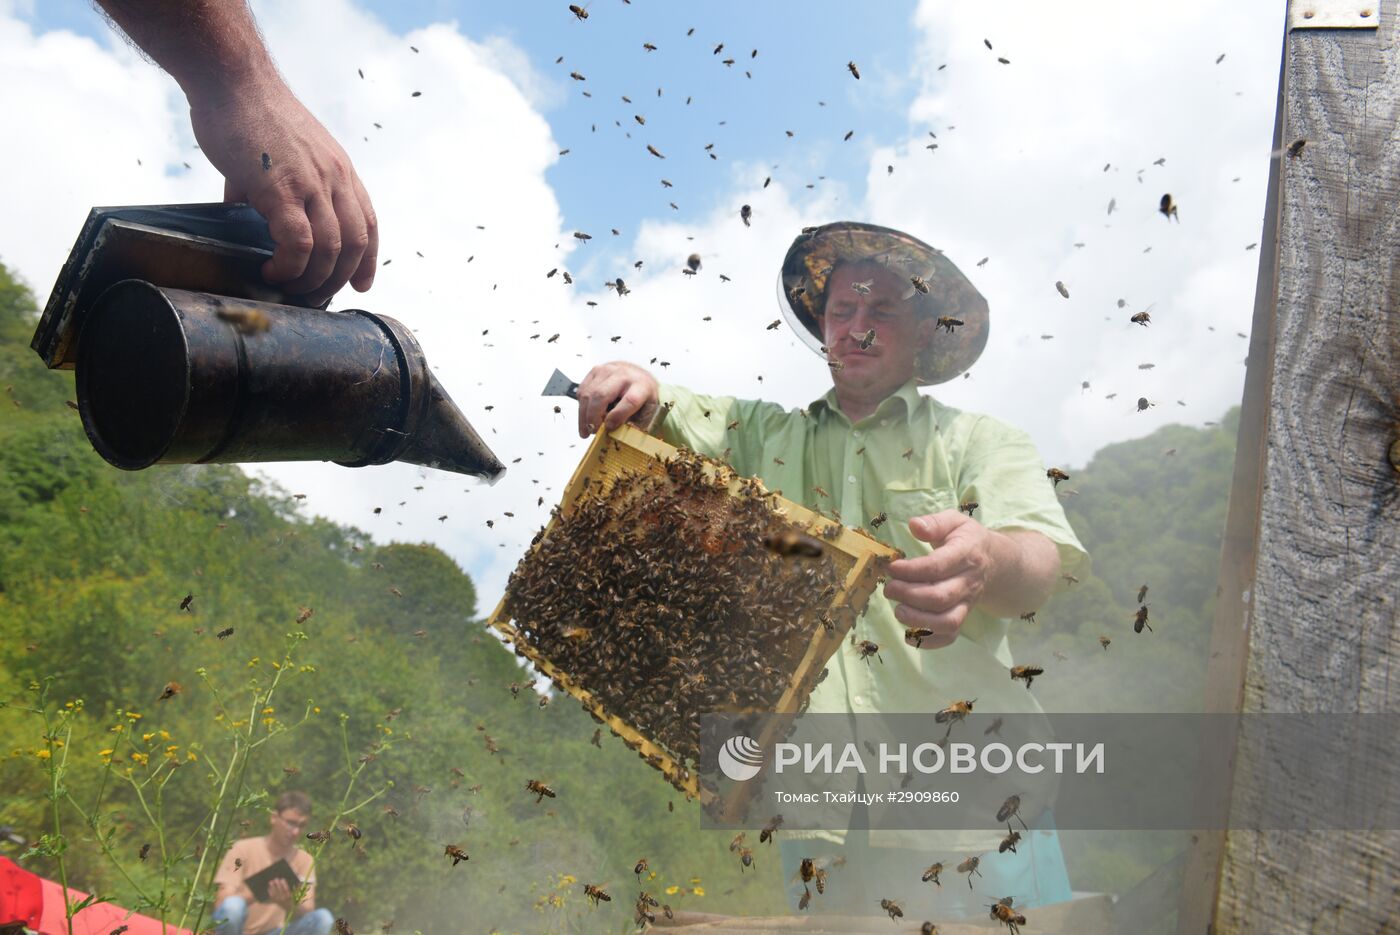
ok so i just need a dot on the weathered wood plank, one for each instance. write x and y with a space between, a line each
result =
1318 619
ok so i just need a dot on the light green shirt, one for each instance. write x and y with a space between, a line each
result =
911 457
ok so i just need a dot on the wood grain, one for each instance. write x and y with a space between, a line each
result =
1314 626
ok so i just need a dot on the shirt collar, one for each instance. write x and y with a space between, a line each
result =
904 402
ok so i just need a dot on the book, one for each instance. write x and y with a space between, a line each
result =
258 882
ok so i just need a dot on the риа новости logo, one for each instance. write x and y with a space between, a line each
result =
741 758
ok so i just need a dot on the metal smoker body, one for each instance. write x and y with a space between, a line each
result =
183 355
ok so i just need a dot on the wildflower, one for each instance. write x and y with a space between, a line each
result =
42 754
672 890
140 758
132 716
147 736
698 890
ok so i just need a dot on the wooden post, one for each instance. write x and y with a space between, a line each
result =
1310 573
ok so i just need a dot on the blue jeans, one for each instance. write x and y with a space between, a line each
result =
231 913
1035 876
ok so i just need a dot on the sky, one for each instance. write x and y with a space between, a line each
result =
481 181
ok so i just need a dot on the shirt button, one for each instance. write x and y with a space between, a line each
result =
859 699
856 433
850 478
885 422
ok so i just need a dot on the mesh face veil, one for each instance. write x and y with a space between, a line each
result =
942 288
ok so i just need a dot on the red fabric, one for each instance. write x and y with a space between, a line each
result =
39 905
21 895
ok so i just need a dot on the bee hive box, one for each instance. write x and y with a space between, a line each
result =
666 586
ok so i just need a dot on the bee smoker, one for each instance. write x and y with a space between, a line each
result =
183 355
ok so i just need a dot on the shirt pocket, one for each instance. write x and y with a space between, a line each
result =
902 504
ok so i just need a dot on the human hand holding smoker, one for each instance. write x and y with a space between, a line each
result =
272 152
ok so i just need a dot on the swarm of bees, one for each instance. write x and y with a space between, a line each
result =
692 598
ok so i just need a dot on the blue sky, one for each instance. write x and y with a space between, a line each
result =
609 180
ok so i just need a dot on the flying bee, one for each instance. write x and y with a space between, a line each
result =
456 853
948 323
144 852
745 215
1026 672
186 601
851 67
1011 808
769 830
1140 619
640 868
540 790
1296 147
1141 318
246 321
304 614
353 831
931 874
928 928
320 837
968 506
225 633
892 907
1104 642
738 841
343 928
1028 616
1002 912
862 288
878 520
776 324
969 867
1168 207
791 544
1056 475
868 648
580 12
1142 594
807 869
954 713
745 858
867 339
836 366
915 636
919 283
170 690
1062 289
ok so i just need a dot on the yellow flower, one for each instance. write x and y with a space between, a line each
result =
307 668
117 728
254 661
133 716
316 710
268 710
672 890
139 758
107 752
698 890
147 737
165 735
277 665
42 754
190 756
